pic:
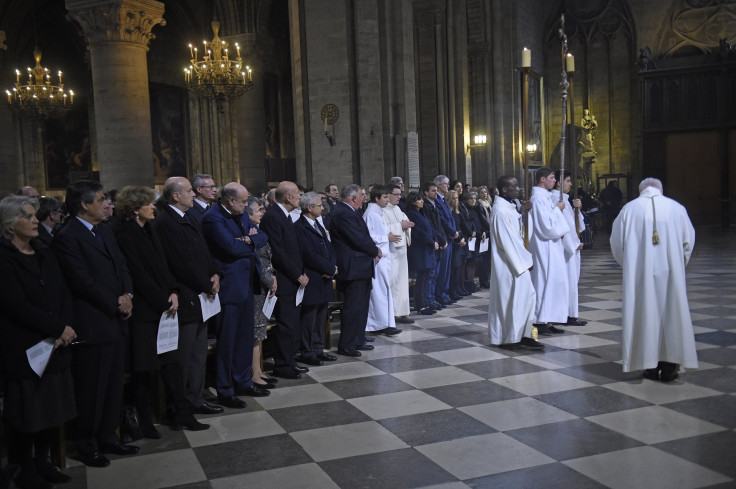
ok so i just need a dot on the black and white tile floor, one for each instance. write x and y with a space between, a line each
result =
437 407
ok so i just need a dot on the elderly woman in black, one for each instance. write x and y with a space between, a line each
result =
154 293
36 307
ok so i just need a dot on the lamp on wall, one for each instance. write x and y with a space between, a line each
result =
479 140
38 96
217 73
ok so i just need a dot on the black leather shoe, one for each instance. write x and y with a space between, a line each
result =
370 339
300 370
554 330
651 374
151 432
390 331
404 320
327 357
231 402
269 380
207 408
349 352
252 391
576 322
29 479
668 371
444 302
188 422
313 360
543 330
531 344
267 385
365 347
118 448
95 459
287 374
426 311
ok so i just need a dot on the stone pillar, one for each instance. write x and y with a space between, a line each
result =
117 34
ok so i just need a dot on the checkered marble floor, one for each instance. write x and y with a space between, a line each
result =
437 407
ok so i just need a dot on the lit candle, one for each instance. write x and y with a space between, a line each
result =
237 46
526 58
250 75
243 73
195 55
570 63
71 92
8 92
191 52
64 99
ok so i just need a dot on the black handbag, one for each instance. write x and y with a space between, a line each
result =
130 426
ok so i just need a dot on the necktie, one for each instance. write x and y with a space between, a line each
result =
98 236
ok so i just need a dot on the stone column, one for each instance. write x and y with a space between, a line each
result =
117 34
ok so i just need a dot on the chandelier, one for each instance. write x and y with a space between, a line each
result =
217 74
37 95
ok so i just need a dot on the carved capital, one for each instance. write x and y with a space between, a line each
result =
104 21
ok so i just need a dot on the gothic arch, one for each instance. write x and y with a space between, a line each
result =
696 27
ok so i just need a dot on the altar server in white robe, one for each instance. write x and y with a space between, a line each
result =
547 227
652 239
572 245
399 225
512 296
381 307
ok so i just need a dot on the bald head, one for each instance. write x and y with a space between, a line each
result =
287 194
234 197
178 192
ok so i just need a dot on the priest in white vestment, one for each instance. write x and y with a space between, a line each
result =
381 308
512 296
652 239
400 225
572 245
547 227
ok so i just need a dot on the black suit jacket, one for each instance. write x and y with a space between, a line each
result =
287 254
431 213
354 247
188 258
44 235
152 280
97 275
36 305
196 213
319 259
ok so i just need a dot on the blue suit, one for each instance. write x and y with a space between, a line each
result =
239 267
448 225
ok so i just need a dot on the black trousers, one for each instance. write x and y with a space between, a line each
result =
313 318
98 388
287 334
354 313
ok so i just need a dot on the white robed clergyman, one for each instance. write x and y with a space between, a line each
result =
399 260
655 315
512 296
547 226
572 246
381 308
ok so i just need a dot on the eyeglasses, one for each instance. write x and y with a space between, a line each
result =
56 212
397 195
210 187
317 205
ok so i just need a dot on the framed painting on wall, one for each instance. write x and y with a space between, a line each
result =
168 132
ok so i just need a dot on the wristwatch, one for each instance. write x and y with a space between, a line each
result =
130 295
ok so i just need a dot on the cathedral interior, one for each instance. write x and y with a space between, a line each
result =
360 91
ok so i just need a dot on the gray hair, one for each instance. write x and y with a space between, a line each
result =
172 187
651 182
395 181
440 179
253 204
199 179
310 198
349 191
11 208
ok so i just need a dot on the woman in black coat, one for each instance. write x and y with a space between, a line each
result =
471 211
155 292
36 306
421 254
459 249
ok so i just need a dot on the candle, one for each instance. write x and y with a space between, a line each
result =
570 63
191 52
250 75
325 123
72 94
526 58
6 91
243 73
195 55
17 75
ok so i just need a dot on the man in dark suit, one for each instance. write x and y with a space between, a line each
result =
442 289
290 276
97 275
320 266
49 216
205 191
356 255
232 239
429 190
196 273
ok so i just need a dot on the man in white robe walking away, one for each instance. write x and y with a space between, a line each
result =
572 245
381 308
652 239
512 297
399 225
547 227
